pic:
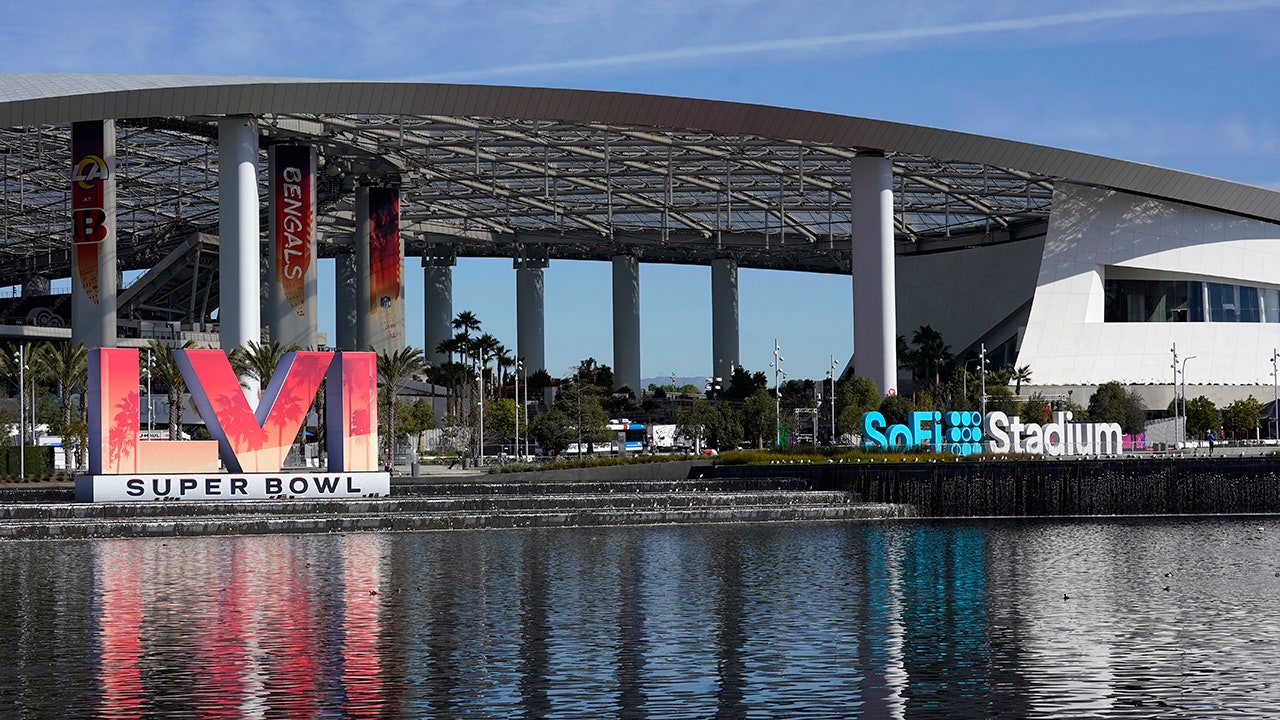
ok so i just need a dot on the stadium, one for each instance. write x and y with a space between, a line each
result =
1085 268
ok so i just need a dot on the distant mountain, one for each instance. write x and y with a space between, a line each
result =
698 381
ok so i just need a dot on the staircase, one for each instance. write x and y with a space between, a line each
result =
446 505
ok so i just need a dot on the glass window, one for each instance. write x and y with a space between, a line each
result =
1249 307
1271 303
1223 305
1195 301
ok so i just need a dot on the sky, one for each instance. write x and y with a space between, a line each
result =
1185 85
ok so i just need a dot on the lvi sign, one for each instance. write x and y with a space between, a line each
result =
251 444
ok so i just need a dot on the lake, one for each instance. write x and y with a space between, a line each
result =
1165 617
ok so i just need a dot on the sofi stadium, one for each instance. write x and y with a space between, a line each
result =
220 194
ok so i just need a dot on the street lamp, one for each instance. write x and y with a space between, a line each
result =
1176 416
22 412
517 438
1275 377
525 406
1184 395
151 407
982 365
480 380
778 374
831 375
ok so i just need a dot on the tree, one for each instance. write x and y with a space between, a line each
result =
855 397
930 356
415 418
716 423
1111 403
1019 376
1202 416
500 417
553 430
759 417
742 384
896 408
258 361
393 368
1036 409
1241 417
586 417
68 366
164 368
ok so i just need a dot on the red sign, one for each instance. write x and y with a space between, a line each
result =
246 440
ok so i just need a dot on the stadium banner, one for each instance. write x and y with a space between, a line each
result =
386 270
93 233
291 311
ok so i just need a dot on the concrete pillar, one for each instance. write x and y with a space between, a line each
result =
380 269
93 234
874 287
240 309
626 322
437 310
291 239
530 332
724 318
346 290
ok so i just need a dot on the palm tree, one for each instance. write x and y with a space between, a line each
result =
1019 376
465 322
394 367
932 353
165 369
68 367
258 361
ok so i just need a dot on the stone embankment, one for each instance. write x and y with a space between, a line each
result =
480 501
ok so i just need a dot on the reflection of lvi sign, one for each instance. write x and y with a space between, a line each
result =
252 444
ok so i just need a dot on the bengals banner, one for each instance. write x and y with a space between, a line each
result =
384 324
291 314
93 233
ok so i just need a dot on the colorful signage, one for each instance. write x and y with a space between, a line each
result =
386 275
293 241
90 223
251 443
969 433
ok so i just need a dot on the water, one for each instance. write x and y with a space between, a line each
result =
905 619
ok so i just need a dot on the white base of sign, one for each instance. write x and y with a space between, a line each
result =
232 486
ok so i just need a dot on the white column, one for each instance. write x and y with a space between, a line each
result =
530 332
346 290
437 310
724 318
93 237
874 301
626 323
240 310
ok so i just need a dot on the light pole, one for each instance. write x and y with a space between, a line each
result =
151 409
778 374
1176 416
480 380
831 375
1275 378
525 406
517 442
22 412
982 365
1184 395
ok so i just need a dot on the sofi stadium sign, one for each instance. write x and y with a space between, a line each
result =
969 433
245 458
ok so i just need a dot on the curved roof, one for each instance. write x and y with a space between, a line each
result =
534 173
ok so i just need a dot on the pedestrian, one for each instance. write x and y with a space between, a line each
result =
1211 439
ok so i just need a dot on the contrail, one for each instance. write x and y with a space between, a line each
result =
879 36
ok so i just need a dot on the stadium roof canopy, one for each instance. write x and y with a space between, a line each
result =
518 172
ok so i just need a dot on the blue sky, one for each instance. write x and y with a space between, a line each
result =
1186 85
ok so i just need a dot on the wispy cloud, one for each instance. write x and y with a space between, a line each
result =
881 39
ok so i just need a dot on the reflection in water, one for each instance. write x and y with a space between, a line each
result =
899 620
